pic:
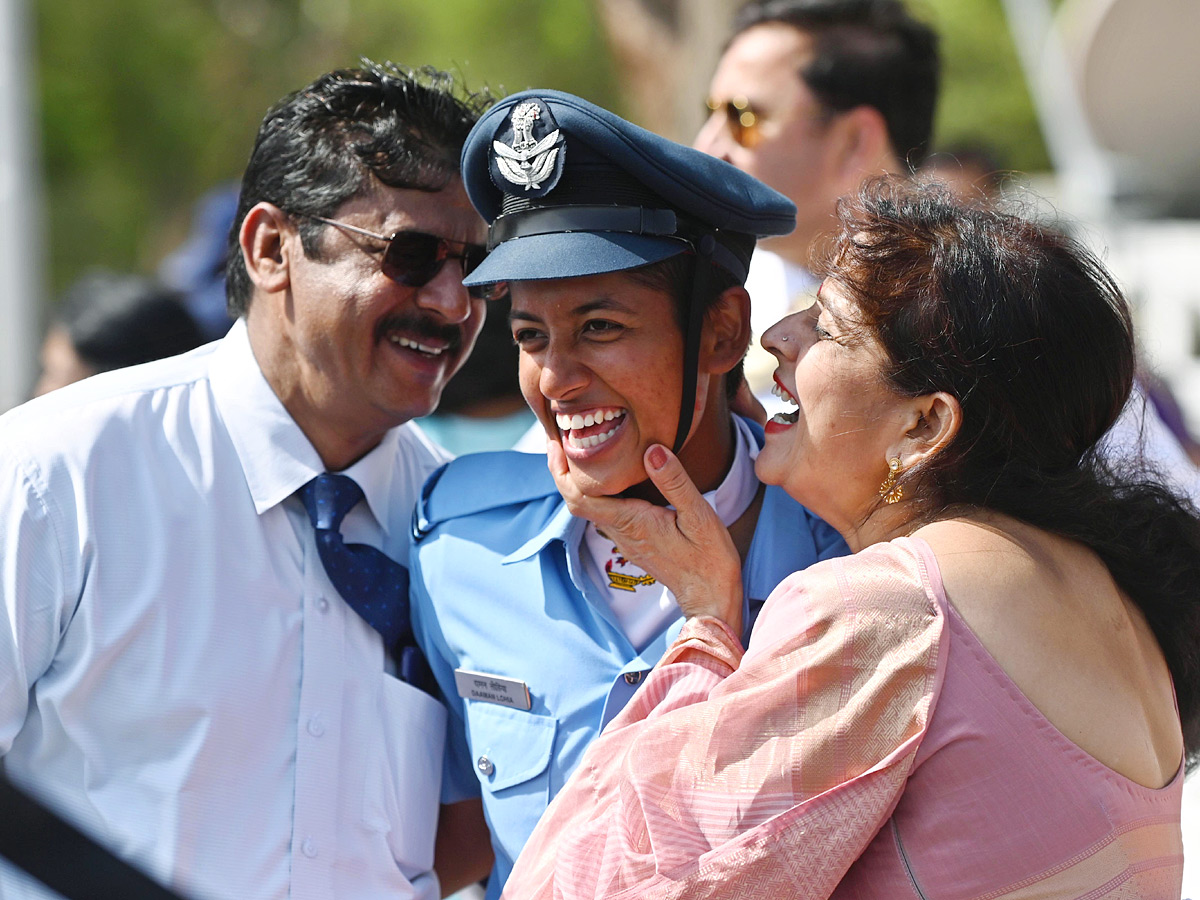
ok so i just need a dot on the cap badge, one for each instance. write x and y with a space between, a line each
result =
530 161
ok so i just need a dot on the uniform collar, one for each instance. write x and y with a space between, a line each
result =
562 526
275 455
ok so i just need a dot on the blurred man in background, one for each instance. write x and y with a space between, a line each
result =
206 657
109 321
812 97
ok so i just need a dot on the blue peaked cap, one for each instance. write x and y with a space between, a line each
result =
569 189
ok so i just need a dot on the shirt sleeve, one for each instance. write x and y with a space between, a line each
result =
775 767
35 588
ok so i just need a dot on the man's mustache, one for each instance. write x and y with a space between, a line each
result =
421 327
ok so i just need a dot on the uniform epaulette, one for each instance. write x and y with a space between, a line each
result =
478 482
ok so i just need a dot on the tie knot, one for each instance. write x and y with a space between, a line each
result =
328 498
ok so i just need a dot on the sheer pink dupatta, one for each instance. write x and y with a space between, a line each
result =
758 775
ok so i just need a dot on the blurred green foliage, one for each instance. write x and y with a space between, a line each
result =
984 98
146 104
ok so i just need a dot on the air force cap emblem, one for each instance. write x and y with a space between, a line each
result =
528 151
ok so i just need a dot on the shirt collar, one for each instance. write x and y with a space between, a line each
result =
374 475
562 526
275 455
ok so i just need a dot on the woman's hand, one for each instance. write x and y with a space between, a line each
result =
686 548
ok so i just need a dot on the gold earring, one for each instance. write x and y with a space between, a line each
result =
889 490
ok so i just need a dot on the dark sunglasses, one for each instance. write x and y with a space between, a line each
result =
742 120
413 258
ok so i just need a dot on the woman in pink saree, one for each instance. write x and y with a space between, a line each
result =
995 696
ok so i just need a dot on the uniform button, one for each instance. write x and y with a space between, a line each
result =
633 677
323 604
484 765
315 726
309 848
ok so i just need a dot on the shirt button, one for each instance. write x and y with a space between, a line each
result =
484 765
323 604
309 848
633 677
315 726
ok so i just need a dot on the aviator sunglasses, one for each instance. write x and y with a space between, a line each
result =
413 258
742 119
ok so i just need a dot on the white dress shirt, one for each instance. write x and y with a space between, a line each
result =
177 675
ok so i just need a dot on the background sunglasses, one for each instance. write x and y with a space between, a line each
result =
742 119
413 258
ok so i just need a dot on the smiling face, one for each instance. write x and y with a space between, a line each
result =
350 352
793 146
831 452
602 368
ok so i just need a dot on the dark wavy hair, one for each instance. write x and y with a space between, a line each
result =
1027 330
865 53
331 141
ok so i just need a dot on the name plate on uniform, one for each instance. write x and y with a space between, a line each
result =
492 689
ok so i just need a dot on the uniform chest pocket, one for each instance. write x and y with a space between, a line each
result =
511 751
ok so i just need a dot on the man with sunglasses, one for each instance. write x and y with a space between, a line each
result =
206 662
812 97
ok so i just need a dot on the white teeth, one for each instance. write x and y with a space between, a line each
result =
414 345
566 422
592 441
786 418
783 394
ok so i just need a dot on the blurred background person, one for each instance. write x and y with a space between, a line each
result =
813 97
970 170
109 320
482 407
196 268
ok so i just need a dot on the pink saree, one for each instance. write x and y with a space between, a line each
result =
760 774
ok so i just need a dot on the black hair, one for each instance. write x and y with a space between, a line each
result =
1026 329
115 320
866 53
329 142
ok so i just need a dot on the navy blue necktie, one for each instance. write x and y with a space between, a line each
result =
375 586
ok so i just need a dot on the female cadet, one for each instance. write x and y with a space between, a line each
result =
624 254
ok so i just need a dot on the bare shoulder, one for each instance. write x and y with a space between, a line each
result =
1050 614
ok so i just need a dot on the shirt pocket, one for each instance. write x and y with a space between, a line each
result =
511 751
402 792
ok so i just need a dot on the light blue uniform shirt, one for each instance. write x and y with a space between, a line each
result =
498 587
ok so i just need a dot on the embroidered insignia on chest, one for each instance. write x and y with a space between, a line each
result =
533 158
622 581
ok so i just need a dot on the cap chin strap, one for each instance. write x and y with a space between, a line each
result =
694 327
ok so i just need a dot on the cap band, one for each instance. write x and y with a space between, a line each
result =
599 219
557 219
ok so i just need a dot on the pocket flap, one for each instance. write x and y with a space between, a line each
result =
509 746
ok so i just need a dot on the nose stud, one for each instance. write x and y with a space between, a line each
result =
783 338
